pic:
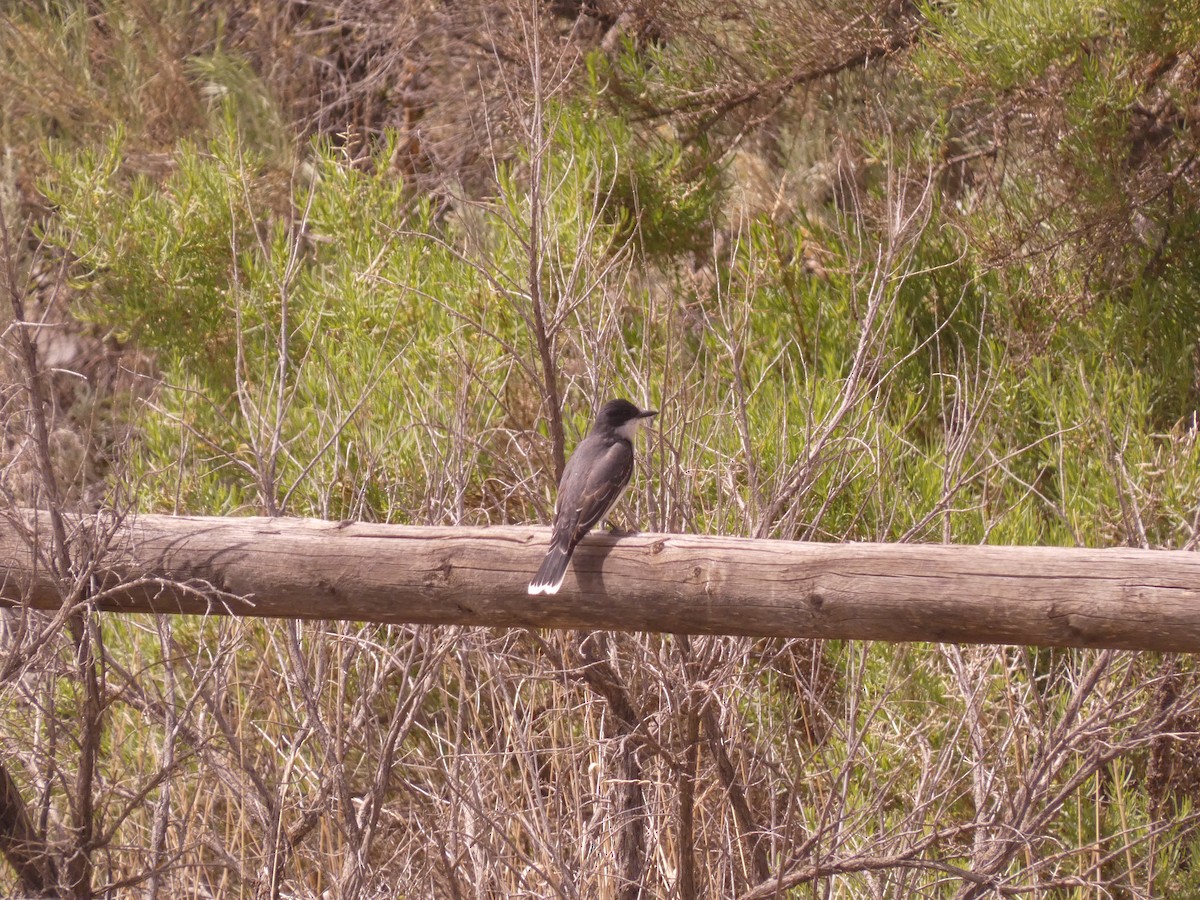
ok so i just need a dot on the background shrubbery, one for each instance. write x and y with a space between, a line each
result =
890 271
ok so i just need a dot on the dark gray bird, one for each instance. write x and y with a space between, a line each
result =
594 479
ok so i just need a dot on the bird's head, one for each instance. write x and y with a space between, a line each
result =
623 417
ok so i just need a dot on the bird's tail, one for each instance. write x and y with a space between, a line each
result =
550 574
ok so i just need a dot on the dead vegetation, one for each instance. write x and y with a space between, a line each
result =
210 757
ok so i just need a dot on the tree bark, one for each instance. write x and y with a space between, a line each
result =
296 568
21 845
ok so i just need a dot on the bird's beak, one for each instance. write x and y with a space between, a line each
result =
648 413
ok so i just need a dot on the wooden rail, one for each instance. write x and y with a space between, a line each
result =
301 568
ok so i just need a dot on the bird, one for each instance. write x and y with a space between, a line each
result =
593 480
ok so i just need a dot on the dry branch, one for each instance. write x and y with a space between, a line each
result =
302 568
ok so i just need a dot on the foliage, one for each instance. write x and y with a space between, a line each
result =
956 304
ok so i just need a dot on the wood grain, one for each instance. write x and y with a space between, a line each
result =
302 568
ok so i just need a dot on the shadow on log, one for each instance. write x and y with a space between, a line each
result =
686 584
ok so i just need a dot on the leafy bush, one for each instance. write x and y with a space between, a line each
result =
970 344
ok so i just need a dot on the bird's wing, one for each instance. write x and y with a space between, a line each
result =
593 490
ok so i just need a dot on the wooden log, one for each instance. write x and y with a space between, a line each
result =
302 568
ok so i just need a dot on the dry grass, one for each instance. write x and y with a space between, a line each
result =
176 757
